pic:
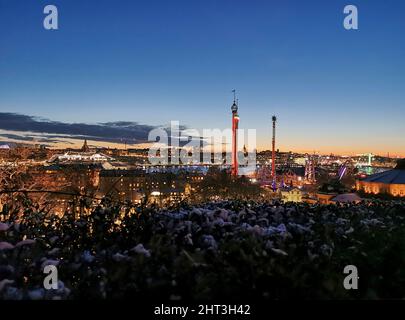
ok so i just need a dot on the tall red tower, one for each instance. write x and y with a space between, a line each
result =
273 153
235 123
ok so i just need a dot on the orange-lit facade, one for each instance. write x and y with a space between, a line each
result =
396 190
390 182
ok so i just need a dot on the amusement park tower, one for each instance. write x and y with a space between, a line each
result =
273 153
235 123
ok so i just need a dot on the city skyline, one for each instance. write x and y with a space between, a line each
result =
333 90
57 139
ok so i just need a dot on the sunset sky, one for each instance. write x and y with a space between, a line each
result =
116 69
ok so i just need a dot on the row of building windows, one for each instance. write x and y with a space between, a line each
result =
376 190
399 192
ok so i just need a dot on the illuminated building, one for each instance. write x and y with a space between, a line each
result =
135 185
291 177
57 176
291 195
80 157
122 185
332 198
391 182
170 196
310 170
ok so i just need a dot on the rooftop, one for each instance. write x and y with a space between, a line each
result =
347 198
400 164
394 176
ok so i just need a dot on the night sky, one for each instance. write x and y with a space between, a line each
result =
151 62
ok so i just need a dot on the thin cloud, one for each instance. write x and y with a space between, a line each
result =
117 132
25 128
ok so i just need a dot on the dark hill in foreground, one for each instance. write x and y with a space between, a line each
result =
217 250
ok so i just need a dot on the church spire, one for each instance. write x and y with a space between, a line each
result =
85 147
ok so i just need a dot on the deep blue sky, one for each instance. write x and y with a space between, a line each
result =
156 61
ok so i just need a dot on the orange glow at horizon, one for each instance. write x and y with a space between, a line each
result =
339 147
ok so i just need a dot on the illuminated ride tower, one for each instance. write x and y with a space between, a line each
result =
310 170
273 153
235 123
